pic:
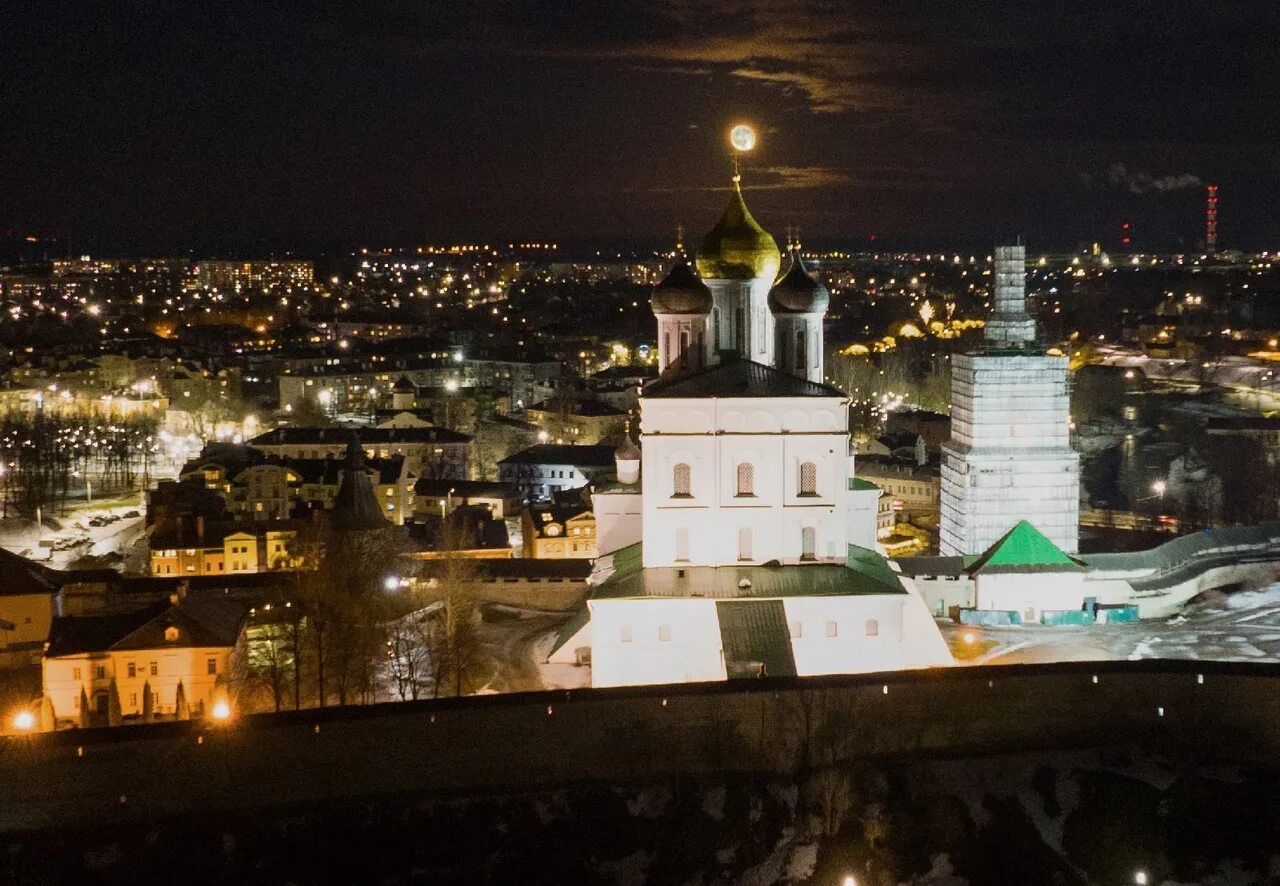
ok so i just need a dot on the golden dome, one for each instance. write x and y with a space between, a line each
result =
737 247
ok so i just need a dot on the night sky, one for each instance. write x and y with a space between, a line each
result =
152 127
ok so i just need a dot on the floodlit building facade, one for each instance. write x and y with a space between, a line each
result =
1009 457
756 553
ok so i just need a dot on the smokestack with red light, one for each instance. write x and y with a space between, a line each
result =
1211 219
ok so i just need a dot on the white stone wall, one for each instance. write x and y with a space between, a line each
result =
775 435
628 649
1030 594
788 327
619 520
740 318
868 634
682 340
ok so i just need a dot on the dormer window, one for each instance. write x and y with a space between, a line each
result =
170 634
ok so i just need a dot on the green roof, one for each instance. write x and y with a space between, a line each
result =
873 567
570 628
763 582
735 379
857 484
755 638
1025 549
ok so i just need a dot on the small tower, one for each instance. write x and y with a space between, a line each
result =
627 459
682 304
404 394
1009 324
798 304
739 261
356 508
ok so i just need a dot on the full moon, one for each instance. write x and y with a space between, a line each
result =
742 137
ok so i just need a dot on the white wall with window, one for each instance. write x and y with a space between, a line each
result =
654 640
770 466
848 635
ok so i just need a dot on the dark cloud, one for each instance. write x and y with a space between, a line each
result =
400 121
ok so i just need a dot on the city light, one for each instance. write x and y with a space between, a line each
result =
24 721
221 711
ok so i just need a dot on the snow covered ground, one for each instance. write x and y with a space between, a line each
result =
1243 626
68 538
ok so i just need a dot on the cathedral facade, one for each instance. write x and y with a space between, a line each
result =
755 554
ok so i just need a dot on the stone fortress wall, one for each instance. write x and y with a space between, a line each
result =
520 742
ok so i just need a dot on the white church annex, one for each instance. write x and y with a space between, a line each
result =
756 551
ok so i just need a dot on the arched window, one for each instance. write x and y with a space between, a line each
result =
873 627
808 478
808 543
746 478
744 543
682 544
681 481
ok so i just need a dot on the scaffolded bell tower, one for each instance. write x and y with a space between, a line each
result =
1010 456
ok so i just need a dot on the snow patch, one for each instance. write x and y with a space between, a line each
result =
649 803
713 802
1269 596
941 873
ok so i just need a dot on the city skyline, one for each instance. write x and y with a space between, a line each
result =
920 127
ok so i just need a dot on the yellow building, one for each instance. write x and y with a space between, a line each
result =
221 549
110 663
559 532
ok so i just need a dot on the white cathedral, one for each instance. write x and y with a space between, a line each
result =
738 542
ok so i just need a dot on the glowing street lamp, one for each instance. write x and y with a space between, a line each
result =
24 721
1158 488
221 711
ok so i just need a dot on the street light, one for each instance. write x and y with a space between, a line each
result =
221 711
24 721
1158 488
1140 878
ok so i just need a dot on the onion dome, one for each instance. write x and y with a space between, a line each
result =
681 292
627 450
737 247
797 292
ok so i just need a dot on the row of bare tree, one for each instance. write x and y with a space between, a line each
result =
46 453
355 628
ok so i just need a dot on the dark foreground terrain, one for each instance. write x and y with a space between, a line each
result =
1072 817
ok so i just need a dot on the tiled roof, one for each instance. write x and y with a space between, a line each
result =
738 378
211 622
562 454
726 582
367 436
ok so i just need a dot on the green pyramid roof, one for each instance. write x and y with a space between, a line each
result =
1024 549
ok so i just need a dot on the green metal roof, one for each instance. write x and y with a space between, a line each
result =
755 638
763 582
1025 549
738 378
873 567
570 628
857 484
